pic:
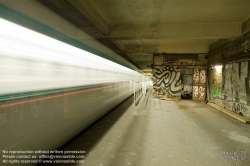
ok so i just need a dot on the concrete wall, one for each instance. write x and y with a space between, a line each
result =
167 80
173 74
230 87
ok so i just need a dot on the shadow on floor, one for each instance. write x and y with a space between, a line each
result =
88 138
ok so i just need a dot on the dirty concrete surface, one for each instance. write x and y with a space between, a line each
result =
160 133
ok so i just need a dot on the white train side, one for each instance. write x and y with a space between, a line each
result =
50 90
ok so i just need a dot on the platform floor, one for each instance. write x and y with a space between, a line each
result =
165 133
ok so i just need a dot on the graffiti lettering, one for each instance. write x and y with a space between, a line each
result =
167 77
234 86
186 67
186 63
170 61
196 77
240 108
202 93
196 91
227 83
203 76
227 105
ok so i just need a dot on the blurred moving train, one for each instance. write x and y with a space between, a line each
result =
51 90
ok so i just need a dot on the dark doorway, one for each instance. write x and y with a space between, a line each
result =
187 81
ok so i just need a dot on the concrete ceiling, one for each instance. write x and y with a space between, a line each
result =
136 29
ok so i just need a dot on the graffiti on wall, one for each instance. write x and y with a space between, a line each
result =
216 81
199 84
227 88
203 76
216 89
234 88
167 79
202 93
199 76
195 91
181 62
236 81
238 108
239 75
196 77
199 92
173 73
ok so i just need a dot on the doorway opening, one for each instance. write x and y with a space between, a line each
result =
187 83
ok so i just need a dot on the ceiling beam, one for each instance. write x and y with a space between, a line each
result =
89 11
172 46
178 30
142 57
133 49
146 63
119 44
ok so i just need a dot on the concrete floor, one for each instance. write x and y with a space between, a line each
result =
165 133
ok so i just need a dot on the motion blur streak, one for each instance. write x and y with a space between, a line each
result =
32 62
51 91
61 95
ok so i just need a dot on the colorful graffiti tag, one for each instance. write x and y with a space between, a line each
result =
231 89
216 90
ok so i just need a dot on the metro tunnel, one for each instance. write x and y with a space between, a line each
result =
118 83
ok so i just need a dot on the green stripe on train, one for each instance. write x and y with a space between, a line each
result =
48 92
